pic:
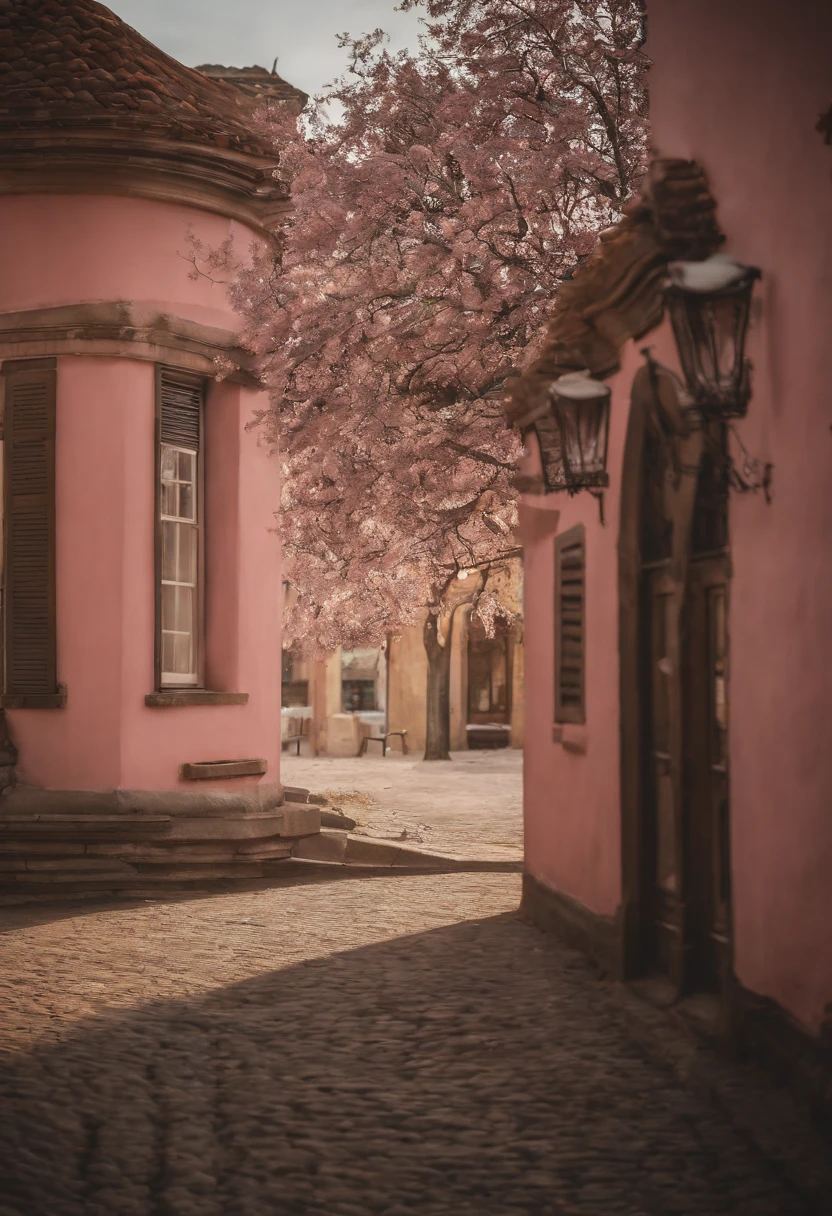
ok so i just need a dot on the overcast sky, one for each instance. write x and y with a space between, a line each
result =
238 33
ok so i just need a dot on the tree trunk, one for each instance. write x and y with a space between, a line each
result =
438 732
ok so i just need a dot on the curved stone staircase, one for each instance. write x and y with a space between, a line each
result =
129 844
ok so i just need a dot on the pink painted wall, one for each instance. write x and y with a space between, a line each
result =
72 249
744 99
106 737
572 799
83 249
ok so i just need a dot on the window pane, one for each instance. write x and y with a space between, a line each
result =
167 651
168 609
182 664
168 498
168 464
184 614
186 502
186 466
186 564
169 531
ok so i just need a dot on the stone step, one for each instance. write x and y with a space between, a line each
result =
71 854
266 850
57 879
198 873
73 865
123 880
337 819
295 793
32 848
79 825
172 853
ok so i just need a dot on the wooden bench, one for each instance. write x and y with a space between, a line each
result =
297 736
382 739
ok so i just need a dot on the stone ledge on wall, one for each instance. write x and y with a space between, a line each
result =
121 327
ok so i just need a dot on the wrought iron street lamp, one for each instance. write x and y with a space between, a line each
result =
709 304
574 443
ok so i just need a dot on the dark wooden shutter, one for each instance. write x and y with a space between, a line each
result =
180 409
29 430
570 625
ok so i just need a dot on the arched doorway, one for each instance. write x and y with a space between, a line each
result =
490 663
673 595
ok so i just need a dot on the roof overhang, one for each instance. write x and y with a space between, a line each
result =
53 160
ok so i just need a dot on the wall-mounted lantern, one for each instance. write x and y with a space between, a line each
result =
573 434
709 304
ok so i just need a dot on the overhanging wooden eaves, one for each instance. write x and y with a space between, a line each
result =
617 295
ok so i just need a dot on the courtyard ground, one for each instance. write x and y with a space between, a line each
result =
469 806
344 1046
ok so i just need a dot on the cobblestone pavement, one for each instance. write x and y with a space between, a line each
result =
470 806
340 1046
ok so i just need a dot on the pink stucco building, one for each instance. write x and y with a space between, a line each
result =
141 566
678 773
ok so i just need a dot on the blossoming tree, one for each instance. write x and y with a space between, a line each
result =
432 225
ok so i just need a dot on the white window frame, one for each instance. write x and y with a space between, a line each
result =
190 679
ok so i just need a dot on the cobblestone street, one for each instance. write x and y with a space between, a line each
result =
344 1046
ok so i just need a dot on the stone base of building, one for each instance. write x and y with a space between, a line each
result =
760 1030
554 912
767 1034
72 842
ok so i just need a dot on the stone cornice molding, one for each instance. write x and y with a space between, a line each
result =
123 328
238 185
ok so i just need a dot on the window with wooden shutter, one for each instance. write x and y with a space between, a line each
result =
29 609
570 625
179 544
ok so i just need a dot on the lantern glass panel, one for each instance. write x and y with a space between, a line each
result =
583 425
710 329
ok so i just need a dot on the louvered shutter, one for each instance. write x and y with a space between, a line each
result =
570 625
181 409
29 431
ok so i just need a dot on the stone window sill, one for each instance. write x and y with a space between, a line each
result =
17 700
571 737
175 698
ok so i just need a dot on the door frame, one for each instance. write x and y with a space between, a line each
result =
636 849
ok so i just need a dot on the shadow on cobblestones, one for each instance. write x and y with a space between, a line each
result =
478 1069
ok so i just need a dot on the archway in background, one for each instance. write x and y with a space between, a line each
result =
490 667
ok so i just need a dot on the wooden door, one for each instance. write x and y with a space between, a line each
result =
707 819
663 911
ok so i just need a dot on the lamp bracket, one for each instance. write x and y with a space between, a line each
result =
755 474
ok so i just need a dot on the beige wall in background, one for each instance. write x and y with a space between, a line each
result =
407 690
459 679
324 696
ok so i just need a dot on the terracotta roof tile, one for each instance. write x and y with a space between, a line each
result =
257 82
74 63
